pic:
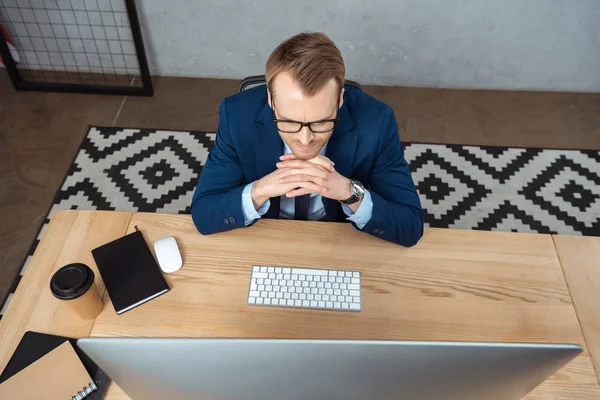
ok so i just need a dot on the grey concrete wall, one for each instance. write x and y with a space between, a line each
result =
506 44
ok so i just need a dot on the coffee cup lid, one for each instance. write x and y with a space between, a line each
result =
71 281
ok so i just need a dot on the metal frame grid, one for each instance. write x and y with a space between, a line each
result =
80 46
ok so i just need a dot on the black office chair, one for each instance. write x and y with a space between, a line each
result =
257 80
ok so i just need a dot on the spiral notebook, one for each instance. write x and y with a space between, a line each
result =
59 375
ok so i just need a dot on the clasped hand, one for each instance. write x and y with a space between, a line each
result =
295 177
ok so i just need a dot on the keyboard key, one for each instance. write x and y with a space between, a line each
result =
294 277
331 279
337 304
355 275
268 282
277 270
275 302
329 291
348 274
297 284
322 291
298 303
337 280
328 304
270 269
275 282
301 271
302 296
347 280
305 284
317 278
333 298
295 296
287 277
259 300
313 303
352 286
320 285
321 304
252 300
256 268
354 306
301 277
310 296
332 273
306 290
253 285
290 302
286 271
314 290
254 293
345 292
276 288
355 280
272 275
305 303
264 294
343 286
271 295
326 297
267 301
354 293
335 285
283 282
309 278
260 281
328 285
345 306
260 275
269 288
283 289
279 295
263 269
317 297
337 292
349 299
279 276
357 299
287 295
260 288
313 284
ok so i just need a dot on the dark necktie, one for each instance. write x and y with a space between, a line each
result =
301 208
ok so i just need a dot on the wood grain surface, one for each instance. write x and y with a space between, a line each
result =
580 259
70 237
454 285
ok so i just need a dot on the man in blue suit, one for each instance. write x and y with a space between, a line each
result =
305 147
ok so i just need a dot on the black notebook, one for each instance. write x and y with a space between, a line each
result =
35 345
129 271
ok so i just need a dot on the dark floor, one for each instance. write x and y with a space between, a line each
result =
41 132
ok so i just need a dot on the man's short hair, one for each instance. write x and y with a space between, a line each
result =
312 59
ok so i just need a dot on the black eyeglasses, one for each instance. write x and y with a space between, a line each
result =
290 126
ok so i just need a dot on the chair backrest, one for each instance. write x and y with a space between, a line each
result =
257 80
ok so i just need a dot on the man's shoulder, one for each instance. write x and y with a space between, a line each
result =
363 107
249 102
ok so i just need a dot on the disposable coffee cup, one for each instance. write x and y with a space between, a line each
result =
74 284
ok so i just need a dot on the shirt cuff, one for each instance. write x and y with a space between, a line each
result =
363 215
250 213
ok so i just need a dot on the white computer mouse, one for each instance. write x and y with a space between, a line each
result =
167 252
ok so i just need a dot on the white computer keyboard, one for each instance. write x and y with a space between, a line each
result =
305 288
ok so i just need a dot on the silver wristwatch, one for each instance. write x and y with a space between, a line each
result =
358 192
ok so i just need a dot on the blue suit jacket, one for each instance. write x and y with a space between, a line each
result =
364 146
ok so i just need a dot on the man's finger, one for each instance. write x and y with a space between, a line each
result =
323 161
313 171
305 188
303 164
289 156
298 192
303 178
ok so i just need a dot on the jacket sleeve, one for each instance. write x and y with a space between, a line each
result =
397 214
217 202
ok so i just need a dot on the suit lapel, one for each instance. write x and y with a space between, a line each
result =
341 149
267 150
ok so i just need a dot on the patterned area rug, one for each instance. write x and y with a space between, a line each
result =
462 187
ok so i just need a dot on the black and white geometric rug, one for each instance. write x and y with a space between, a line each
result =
462 187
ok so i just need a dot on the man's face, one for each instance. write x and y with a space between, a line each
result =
290 103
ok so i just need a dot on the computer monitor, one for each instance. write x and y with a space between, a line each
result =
268 369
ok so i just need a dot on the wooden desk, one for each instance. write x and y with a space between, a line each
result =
580 258
454 285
